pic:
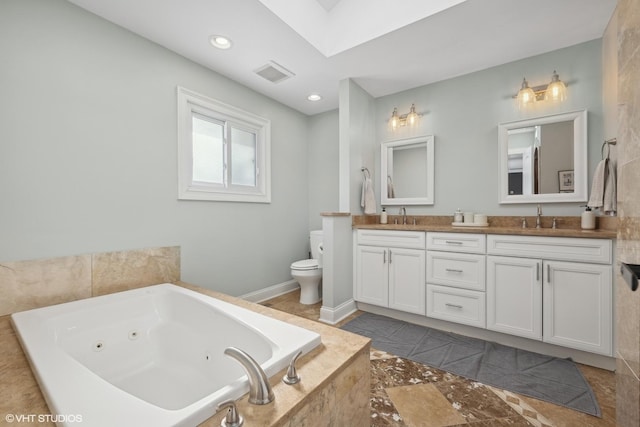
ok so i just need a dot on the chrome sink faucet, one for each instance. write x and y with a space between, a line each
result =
403 212
538 224
260 392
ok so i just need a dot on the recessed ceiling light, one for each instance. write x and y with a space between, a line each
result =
314 97
221 42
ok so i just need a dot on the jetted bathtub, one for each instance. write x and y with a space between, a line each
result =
151 356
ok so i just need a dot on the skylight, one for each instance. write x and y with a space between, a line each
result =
336 26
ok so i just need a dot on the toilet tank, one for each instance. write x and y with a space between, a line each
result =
315 240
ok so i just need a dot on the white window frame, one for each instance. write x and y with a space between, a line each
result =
190 103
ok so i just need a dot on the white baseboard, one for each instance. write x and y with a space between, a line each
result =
334 315
271 292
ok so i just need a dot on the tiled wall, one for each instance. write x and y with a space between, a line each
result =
628 246
31 284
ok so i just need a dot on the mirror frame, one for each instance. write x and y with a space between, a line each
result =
430 165
579 159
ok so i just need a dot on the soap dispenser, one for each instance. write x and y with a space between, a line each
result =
588 219
383 216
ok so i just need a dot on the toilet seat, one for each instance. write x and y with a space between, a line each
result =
305 264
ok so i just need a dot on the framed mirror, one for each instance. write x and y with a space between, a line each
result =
543 160
407 171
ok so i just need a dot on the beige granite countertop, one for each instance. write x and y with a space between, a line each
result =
20 394
566 226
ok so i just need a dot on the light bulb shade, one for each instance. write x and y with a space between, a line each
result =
526 95
556 91
395 120
412 117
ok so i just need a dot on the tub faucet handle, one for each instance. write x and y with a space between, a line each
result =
233 418
292 376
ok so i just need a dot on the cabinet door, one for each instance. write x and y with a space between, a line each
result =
577 306
406 280
372 273
514 296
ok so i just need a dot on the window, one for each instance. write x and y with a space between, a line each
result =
223 152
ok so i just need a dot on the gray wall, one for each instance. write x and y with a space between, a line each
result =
357 137
463 114
323 166
88 153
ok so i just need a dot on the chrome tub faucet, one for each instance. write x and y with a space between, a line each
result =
260 392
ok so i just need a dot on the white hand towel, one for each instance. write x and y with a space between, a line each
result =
368 200
598 185
609 204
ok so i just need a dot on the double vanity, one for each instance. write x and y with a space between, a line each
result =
548 286
546 289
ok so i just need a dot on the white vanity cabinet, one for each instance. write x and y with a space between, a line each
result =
390 269
455 274
554 289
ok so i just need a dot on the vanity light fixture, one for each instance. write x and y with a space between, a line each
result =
556 91
410 119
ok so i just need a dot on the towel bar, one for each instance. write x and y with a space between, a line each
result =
630 273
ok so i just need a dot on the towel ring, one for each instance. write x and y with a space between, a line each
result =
608 143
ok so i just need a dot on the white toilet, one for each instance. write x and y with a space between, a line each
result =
308 272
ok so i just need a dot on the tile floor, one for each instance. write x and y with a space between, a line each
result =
406 393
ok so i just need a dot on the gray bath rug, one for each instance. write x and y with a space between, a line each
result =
558 381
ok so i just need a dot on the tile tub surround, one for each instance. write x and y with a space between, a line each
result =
568 226
335 379
628 248
333 390
32 284
25 285
120 271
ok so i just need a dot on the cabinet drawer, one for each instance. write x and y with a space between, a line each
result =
388 238
457 242
456 305
455 269
554 248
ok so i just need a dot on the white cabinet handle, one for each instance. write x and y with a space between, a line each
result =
453 270
453 305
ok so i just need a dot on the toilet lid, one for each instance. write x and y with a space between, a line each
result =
305 264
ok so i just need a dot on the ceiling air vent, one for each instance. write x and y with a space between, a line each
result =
274 72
